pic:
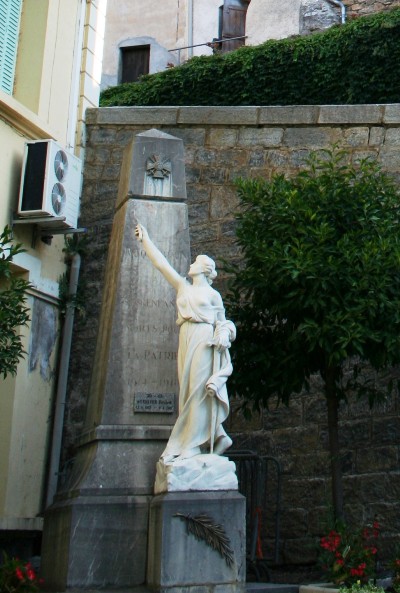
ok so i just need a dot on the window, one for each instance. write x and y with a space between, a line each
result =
134 62
10 13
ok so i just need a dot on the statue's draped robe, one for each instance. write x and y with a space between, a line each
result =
200 415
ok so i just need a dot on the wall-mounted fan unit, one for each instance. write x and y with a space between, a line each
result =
50 184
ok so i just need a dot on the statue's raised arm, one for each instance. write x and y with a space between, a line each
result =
157 258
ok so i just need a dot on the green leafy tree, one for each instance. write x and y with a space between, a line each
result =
13 312
319 289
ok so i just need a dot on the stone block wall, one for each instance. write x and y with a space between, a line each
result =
222 143
363 7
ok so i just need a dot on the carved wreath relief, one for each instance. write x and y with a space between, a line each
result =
158 178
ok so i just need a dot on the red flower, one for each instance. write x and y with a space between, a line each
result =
373 550
331 542
340 561
31 574
18 574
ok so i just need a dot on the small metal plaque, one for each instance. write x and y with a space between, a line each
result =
154 403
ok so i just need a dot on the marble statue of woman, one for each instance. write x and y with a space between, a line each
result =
204 363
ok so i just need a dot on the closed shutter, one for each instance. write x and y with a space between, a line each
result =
233 23
10 13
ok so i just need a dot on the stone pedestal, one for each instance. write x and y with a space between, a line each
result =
179 561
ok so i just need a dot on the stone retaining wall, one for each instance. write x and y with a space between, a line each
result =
357 8
221 144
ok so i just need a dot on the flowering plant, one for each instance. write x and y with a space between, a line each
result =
17 576
348 555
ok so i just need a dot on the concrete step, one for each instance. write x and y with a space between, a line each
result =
271 588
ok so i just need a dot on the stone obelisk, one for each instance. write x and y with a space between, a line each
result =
96 532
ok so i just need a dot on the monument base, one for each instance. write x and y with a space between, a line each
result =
91 541
197 542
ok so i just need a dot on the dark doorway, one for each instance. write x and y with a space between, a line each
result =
233 23
134 62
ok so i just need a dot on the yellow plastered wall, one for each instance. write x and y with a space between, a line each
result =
57 77
24 428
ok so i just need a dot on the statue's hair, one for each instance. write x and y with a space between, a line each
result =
208 266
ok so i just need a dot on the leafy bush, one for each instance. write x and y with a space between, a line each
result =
319 290
354 63
13 312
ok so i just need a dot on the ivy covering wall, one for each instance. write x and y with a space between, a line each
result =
351 64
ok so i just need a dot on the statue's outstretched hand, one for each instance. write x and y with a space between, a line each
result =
140 232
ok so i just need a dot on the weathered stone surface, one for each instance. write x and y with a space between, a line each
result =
377 459
393 136
232 157
389 158
136 115
376 136
317 15
224 202
296 524
392 114
355 136
102 136
311 138
213 175
386 431
292 114
350 114
198 213
189 136
218 115
222 137
118 522
301 550
172 549
260 137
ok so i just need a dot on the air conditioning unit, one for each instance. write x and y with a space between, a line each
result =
50 184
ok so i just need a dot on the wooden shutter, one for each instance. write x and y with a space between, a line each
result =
233 23
10 14
135 62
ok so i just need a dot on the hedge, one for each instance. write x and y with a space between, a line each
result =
354 63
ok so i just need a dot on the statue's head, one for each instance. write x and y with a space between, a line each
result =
204 265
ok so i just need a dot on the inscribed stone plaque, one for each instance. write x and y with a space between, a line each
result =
151 403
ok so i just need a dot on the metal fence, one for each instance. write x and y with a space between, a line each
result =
260 481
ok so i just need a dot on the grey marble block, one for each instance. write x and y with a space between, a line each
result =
95 541
178 561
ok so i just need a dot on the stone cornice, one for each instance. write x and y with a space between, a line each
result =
385 114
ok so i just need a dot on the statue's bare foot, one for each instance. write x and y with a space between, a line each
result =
222 444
